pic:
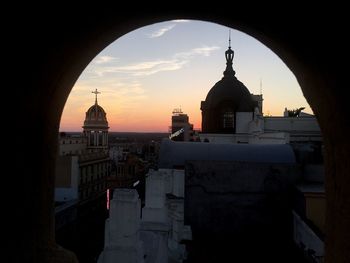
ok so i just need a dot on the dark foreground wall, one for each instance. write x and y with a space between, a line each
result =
85 235
55 43
240 209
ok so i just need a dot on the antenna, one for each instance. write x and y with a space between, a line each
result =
260 86
177 111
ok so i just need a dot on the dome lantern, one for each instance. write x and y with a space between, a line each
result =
96 126
227 97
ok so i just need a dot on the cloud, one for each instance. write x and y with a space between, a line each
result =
132 88
143 65
205 51
82 91
161 31
180 21
146 68
104 59
128 94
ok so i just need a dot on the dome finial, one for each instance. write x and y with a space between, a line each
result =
229 38
229 58
96 92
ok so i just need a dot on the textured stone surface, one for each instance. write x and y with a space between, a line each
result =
224 198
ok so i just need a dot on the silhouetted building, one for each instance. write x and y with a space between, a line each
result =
130 168
83 164
227 102
181 129
229 196
96 127
230 114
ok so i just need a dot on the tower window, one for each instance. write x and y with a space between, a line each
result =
228 120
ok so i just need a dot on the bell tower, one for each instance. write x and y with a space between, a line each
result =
96 127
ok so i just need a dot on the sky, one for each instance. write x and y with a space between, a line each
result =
144 75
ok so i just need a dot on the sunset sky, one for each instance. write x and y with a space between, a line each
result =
148 72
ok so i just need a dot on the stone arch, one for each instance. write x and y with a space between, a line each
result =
55 57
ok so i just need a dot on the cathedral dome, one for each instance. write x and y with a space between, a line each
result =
225 100
229 88
96 127
95 116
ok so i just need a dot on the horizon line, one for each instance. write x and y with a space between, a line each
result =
125 131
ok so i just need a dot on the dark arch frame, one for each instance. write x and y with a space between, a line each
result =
59 44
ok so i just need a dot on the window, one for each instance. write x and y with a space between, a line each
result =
228 120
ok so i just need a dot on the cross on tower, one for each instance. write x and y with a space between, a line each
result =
96 92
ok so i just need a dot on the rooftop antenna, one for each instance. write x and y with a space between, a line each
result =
177 111
260 86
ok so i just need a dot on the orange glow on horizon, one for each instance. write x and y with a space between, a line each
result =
155 122
148 72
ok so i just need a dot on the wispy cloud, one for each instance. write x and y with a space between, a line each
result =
144 65
205 51
104 59
147 68
143 68
202 51
180 21
125 95
132 88
161 31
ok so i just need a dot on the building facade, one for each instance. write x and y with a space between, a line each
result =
83 163
181 129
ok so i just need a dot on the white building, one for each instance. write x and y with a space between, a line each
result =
157 235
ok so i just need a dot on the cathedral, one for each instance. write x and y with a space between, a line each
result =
231 114
228 103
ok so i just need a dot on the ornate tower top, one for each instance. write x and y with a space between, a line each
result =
95 116
96 126
229 54
227 97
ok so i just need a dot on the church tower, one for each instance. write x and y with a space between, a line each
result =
96 127
227 102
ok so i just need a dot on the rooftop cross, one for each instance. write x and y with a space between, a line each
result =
95 92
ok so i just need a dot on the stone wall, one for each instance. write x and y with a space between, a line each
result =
241 205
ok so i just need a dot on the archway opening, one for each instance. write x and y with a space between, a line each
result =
145 68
